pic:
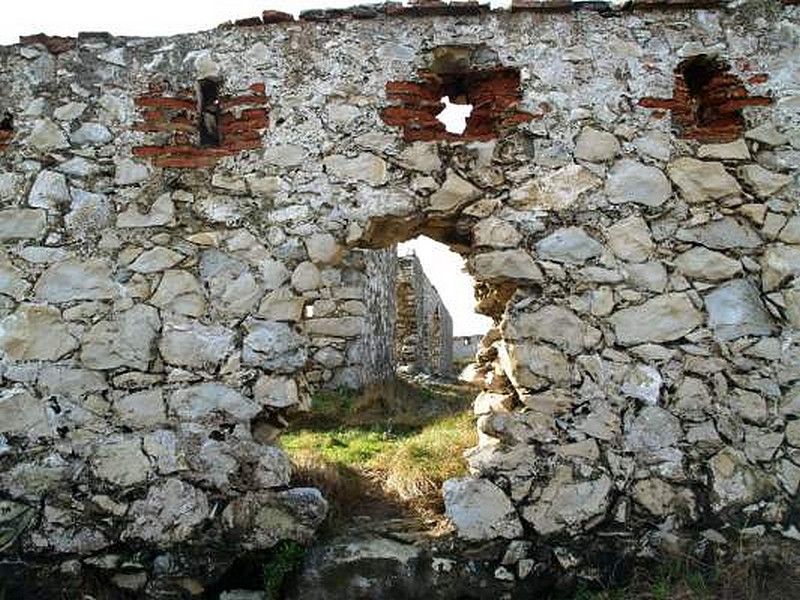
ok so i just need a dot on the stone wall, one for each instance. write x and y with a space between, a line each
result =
424 330
627 201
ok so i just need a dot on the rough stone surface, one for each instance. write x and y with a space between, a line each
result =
631 181
701 181
662 319
166 306
479 510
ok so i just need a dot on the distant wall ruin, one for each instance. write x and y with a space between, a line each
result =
167 301
424 327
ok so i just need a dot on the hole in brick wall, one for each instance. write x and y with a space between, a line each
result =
707 100
494 95
455 115
698 72
209 111
7 122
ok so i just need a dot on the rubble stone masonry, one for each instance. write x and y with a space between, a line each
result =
197 231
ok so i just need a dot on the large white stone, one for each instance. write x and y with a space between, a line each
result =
47 136
480 510
495 233
155 260
306 277
566 504
365 167
454 194
322 248
120 461
702 181
162 212
735 309
49 191
763 182
76 280
513 265
779 263
631 181
630 239
596 146
707 265
556 191
22 224
276 392
721 234
569 245
169 514
205 400
273 346
126 340
189 343
22 414
661 319
554 324
35 332
179 292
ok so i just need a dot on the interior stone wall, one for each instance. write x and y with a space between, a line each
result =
424 328
642 377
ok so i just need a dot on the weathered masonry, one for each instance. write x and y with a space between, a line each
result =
196 231
424 328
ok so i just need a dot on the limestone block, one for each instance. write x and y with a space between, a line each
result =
323 249
721 234
169 514
661 319
779 263
596 146
702 181
735 482
570 245
480 510
631 181
141 410
189 343
306 277
365 167
35 332
556 191
76 280
49 191
210 400
569 505
495 233
454 194
763 182
162 212
119 460
707 265
47 136
179 292
274 346
155 260
276 392
505 265
126 340
736 150
22 224
23 414
630 239
735 309
554 324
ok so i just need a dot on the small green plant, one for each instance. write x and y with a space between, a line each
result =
286 558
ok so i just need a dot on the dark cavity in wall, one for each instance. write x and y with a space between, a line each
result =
6 129
707 101
467 76
208 111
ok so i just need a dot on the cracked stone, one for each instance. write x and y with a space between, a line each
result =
480 510
702 181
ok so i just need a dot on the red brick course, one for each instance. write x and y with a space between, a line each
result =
494 94
712 112
172 120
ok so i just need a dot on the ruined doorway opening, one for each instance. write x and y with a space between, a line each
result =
446 313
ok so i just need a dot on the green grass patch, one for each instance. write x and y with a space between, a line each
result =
404 441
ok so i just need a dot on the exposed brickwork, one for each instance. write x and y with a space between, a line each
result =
172 122
493 93
707 101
